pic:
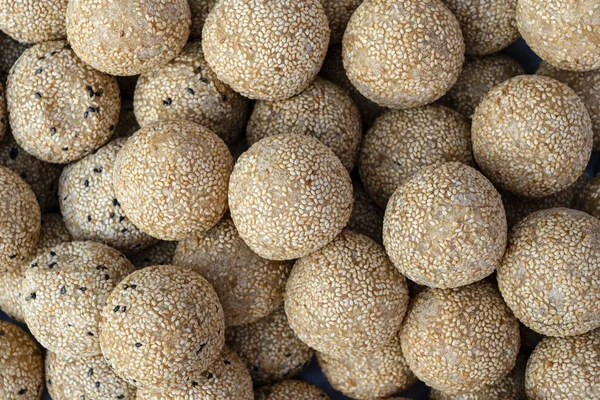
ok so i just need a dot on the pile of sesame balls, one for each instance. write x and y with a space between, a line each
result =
201 198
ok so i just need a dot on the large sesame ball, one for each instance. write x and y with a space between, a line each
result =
171 179
338 14
346 299
550 271
161 253
367 217
10 50
160 326
267 50
60 109
199 10
33 21
590 198
290 390
289 196
403 54
186 88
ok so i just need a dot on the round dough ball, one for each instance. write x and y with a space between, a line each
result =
160 326
401 142
33 21
200 10
10 50
266 50
367 217
550 272
338 14
346 299
161 253
171 179
290 390
403 54
60 109
289 196
323 111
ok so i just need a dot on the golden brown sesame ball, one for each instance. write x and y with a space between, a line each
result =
590 198
289 196
346 299
266 50
403 54
550 271
10 50
33 21
160 326
200 10
323 111
161 253
21 364
532 136
290 390
186 88
270 348
171 179
367 217
338 14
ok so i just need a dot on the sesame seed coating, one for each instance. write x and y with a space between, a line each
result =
346 299
289 195
401 142
162 325
403 53
32 21
269 348
161 253
564 33
338 14
290 390
323 111
10 50
459 340
532 136
266 50
550 272
128 37
367 217
200 10
590 198
186 88
171 179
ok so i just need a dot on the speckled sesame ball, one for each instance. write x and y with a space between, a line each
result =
60 109
550 271
161 325
266 50
270 348
403 54
401 142
338 14
32 21
10 50
323 111
289 196
200 10
186 88
367 217
161 253
171 179
346 299
21 364
290 390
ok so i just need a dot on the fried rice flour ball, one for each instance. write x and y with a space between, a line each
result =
290 390
33 21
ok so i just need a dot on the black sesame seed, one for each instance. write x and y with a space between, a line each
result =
204 80
13 153
68 46
115 202
106 277
227 362
121 218
38 71
125 287
53 254
91 372
65 148
100 92
86 183
32 265
22 391
224 97
98 170
63 290
124 230
202 346
123 309
112 215
91 109
49 381
121 396
97 385
83 288
190 91
41 58
194 383
89 218
12 256
52 265
138 345
210 376
167 102
53 53
133 286
85 114
90 334
38 95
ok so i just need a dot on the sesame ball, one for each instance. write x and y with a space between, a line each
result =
346 299
270 348
186 88
401 142
338 14
10 50
88 378
266 50
549 274
324 111
289 196
171 179
60 109
200 10
367 217
249 287
161 253
590 198
160 326
32 21
290 390
403 54
21 364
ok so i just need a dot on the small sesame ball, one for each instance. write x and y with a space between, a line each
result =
270 348
323 111
401 142
290 390
266 50
10 50
289 196
590 198
403 54
60 109
160 326
186 88
161 253
200 10
550 272
127 124
21 364
32 21
171 179
367 217
338 14
3 112
346 299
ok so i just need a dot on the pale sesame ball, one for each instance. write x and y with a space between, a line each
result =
290 390
33 21
590 198
160 326
367 217
403 54
10 50
401 142
161 253
200 10
21 364
346 299
338 14
171 179
60 109
270 348
186 88
289 196
323 111
266 50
